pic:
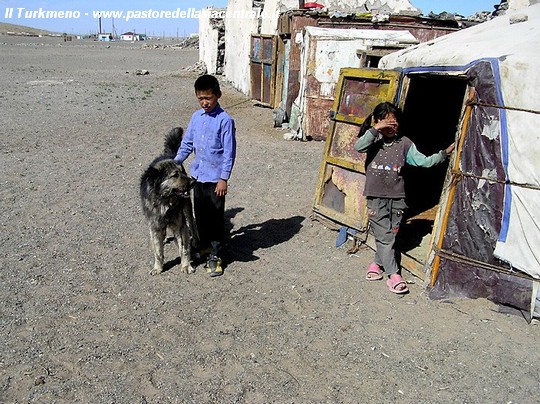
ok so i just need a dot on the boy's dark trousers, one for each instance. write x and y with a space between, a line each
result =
209 216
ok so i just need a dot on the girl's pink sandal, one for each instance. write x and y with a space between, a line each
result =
394 282
374 272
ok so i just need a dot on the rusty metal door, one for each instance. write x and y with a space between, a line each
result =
263 68
339 195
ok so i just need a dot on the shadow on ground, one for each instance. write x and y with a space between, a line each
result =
246 240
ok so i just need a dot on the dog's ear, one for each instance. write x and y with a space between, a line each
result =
192 182
152 174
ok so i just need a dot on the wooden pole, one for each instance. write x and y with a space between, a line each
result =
453 182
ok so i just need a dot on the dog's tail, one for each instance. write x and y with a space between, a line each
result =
172 142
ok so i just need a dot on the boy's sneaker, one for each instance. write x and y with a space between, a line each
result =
214 266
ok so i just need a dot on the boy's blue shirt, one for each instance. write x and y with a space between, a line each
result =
212 138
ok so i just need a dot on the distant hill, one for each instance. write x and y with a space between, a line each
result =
6 29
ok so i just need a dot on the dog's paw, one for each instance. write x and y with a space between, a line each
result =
188 269
156 271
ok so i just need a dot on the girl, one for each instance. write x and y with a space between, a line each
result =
386 154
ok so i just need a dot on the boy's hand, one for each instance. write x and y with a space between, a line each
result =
221 188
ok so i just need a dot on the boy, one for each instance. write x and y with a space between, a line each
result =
211 136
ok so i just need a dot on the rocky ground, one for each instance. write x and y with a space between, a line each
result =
292 319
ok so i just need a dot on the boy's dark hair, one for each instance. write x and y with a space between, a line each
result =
379 112
208 82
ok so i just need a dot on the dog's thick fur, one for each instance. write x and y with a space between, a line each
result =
165 195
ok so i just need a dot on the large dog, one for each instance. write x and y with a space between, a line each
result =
165 195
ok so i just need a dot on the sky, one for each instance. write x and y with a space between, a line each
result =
144 16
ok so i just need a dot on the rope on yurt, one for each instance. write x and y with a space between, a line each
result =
482 104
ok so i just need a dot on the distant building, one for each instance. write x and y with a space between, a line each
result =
105 37
131 36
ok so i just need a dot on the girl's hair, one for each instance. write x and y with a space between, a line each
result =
380 112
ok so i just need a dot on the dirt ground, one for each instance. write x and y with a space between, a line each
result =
292 319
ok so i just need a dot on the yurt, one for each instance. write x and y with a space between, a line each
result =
474 224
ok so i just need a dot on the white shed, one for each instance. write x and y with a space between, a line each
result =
324 52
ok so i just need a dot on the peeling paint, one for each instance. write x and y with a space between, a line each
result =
491 130
487 173
328 90
324 52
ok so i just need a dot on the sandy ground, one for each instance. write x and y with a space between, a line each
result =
292 320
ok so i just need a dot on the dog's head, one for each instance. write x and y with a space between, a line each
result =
173 180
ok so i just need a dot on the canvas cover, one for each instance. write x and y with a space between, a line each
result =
496 211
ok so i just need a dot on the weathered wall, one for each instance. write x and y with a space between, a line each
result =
422 32
239 26
324 53
270 14
272 9
208 41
